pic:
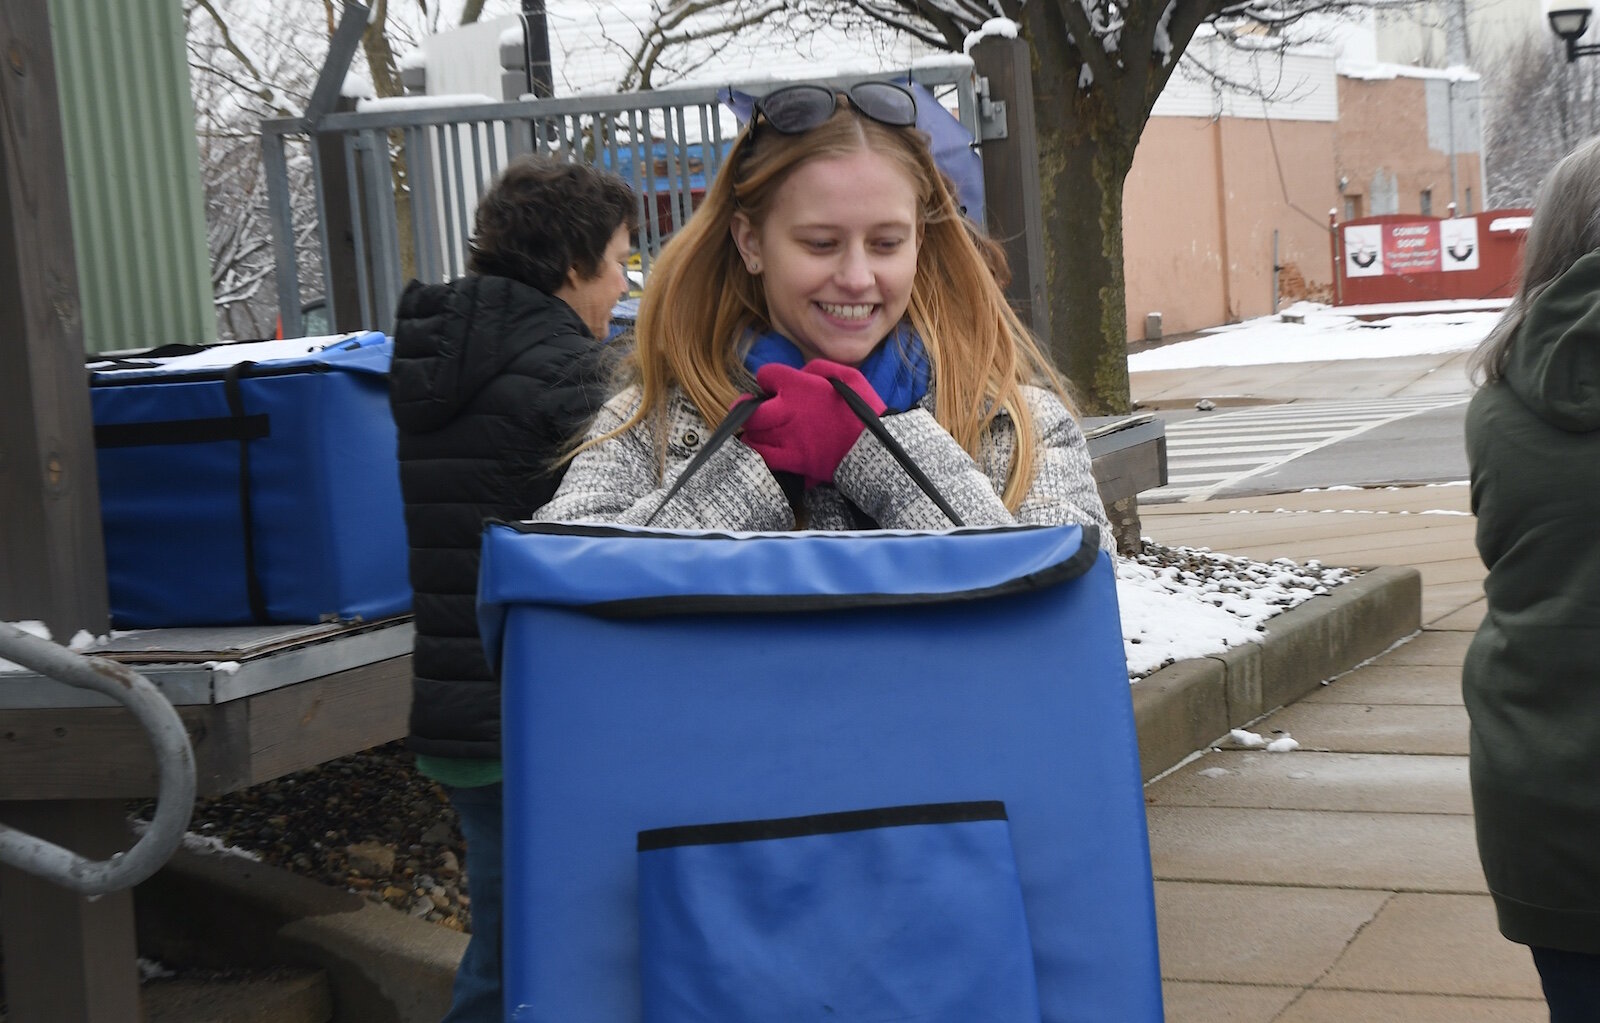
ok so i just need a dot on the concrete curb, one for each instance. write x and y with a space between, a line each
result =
386 967
1189 705
382 965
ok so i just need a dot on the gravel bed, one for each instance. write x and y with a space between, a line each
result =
368 823
371 824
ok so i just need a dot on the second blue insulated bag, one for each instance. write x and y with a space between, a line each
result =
251 483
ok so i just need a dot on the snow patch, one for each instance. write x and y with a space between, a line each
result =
1179 603
205 845
356 87
1001 28
1322 334
1385 72
463 99
32 628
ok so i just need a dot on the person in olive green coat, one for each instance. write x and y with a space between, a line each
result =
1531 679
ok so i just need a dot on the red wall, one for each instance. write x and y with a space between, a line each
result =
1499 263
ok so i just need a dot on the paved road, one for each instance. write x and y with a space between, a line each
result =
1313 444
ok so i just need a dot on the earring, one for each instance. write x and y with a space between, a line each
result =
754 266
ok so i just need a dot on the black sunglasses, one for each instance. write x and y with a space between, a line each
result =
796 109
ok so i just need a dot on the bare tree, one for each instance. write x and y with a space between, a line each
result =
692 31
1541 108
249 61
235 82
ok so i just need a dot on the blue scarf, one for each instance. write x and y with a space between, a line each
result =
897 369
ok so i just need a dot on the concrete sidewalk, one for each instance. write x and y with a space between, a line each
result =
1341 881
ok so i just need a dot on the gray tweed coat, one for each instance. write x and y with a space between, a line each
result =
622 480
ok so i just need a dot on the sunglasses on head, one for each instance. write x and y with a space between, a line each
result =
796 109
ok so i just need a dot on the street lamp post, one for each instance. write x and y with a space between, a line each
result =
1569 19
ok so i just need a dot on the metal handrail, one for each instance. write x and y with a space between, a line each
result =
174 767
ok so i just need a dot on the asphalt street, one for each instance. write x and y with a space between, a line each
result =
1425 447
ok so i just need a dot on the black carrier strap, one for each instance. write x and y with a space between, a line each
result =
727 428
742 411
870 420
182 431
235 395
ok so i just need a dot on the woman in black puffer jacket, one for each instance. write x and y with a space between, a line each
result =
494 375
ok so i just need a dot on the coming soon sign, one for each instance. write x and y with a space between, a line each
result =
1423 246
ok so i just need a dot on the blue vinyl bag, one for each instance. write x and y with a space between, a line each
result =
235 491
656 679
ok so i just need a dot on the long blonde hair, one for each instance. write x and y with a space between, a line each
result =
701 301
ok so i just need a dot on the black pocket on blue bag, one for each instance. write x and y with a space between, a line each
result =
903 912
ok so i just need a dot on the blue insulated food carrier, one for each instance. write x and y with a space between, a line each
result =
852 776
251 483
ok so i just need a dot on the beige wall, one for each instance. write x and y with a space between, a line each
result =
1199 211
1383 152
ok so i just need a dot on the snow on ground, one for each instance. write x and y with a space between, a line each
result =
1325 334
1182 602
1215 602
32 628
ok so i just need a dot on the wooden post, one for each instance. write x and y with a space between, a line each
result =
52 555
67 959
344 295
1338 262
1013 212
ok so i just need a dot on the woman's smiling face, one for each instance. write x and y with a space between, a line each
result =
836 254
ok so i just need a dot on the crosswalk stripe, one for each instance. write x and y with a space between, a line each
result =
1210 453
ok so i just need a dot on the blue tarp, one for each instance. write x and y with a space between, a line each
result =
952 143
667 166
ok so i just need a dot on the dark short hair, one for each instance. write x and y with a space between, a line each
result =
543 217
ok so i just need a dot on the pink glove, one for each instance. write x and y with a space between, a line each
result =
805 427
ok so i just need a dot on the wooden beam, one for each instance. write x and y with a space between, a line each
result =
68 958
103 753
52 555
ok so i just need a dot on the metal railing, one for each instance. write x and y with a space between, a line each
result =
174 766
667 143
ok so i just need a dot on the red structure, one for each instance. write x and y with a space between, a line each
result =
1410 258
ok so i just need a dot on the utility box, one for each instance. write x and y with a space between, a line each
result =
1152 326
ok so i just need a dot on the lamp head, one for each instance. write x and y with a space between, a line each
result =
1569 19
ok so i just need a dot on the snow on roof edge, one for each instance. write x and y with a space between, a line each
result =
1363 71
463 99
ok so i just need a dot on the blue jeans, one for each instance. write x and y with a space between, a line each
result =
1571 984
477 996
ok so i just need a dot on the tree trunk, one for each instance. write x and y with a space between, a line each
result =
1084 157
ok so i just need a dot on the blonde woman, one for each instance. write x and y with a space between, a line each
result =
830 249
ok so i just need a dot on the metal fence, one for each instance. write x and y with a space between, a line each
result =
416 169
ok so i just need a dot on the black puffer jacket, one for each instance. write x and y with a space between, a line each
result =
491 380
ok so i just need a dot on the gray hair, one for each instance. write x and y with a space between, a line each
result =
1566 227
